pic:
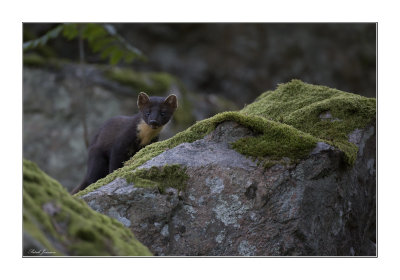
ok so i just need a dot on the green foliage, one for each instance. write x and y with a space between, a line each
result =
53 33
102 38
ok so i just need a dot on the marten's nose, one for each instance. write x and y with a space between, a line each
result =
154 123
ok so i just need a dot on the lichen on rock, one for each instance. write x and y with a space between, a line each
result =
59 224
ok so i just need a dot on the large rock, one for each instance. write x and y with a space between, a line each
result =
55 223
247 183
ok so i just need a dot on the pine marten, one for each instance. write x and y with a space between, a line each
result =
123 136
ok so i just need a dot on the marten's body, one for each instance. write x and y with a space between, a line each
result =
121 137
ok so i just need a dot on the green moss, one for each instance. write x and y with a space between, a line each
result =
34 60
261 145
173 176
71 224
286 122
35 223
276 141
300 105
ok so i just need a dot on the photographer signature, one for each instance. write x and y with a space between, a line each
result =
40 252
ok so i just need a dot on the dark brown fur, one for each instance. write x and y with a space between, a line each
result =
122 136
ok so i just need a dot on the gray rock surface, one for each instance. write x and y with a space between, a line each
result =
233 207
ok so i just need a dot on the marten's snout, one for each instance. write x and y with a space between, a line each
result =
154 124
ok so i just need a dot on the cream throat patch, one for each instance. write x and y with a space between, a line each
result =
146 133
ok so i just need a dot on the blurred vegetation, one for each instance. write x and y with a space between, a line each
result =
235 60
154 82
101 38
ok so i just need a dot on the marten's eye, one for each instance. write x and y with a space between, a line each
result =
148 114
162 114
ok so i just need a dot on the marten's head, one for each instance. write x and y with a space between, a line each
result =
156 111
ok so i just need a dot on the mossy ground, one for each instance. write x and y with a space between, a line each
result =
286 122
73 226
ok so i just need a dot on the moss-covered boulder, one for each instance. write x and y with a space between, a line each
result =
288 123
55 223
327 114
260 181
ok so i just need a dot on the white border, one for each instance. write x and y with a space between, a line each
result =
15 12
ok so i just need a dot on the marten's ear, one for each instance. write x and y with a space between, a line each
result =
171 101
143 99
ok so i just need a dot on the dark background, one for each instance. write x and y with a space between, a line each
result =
240 61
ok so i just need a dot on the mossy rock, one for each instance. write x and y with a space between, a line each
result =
303 107
65 225
287 123
34 60
154 82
